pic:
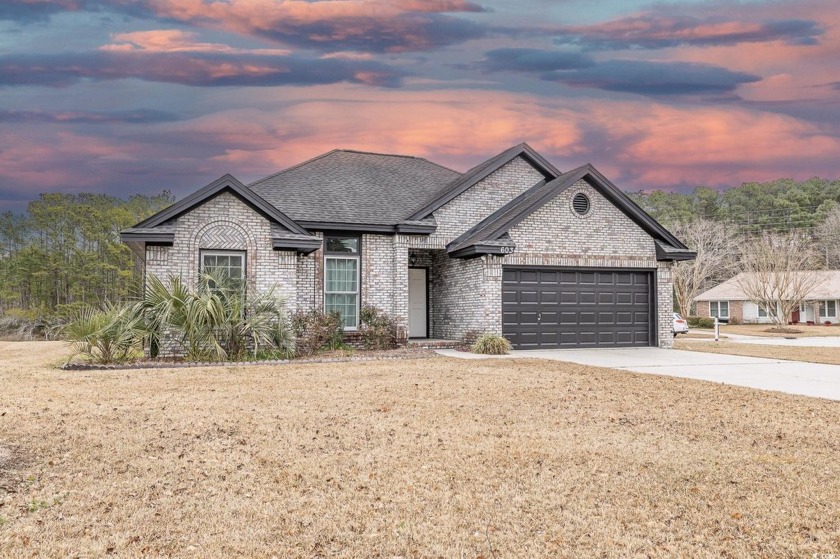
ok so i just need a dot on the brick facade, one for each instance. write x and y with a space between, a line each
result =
464 295
736 311
470 291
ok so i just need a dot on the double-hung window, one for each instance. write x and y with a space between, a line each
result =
226 265
341 278
828 309
719 309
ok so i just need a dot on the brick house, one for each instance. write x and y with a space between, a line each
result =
728 301
512 246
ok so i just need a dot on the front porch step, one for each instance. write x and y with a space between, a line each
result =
434 343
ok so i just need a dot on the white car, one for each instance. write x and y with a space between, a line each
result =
680 325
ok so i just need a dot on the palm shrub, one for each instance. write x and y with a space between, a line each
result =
491 344
219 319
111 334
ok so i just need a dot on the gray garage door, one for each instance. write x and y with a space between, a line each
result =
546 308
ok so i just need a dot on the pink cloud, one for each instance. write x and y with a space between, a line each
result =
175 40
367 25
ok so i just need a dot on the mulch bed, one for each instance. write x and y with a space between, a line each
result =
338 356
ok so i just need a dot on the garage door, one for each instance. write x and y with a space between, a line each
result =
546 308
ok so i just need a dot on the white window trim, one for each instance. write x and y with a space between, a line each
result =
357 293
717 304
241 253
824 304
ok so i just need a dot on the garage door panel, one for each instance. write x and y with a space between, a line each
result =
529 276
606 338
544 308
587 298
623 298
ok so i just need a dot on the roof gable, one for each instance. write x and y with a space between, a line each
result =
226 183
497 225
484 170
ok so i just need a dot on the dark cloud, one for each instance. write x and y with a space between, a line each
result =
439 6
533 60
655 31
27 11
195 69
404 32
654 78
139 116
379 26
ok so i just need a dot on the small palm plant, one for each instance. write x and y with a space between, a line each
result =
112 334
218 320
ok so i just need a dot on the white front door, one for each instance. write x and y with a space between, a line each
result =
417 304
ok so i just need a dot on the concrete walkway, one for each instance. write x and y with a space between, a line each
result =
792 377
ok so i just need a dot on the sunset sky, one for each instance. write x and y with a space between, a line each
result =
137 96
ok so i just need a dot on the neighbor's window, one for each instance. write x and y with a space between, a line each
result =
341 278
719 309
828 309
762 312
227 265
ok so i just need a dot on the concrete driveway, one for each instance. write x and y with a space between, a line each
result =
815 341
793 377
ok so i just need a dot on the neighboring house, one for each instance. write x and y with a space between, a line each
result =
512 246
727 300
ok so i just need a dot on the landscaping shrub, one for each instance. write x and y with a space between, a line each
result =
112 334
34 324
491 344
217 320
700 322
317 330
377 329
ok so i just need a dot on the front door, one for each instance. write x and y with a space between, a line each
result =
417 303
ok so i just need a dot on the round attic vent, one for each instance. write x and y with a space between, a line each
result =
580 203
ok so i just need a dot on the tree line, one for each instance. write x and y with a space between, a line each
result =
774 231
65 251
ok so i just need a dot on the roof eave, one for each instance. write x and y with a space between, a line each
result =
416 229
150 237
303 246
479 249
674 255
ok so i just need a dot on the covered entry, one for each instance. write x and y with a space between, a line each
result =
545 308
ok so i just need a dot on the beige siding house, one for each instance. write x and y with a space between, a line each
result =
727 300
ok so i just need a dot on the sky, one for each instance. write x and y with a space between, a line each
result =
138 96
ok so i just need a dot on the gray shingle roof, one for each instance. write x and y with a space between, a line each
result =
354 187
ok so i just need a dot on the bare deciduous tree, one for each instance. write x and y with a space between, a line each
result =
828 239
715 245
778 273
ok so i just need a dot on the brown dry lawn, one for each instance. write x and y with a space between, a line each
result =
829 355
416 458
805 331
